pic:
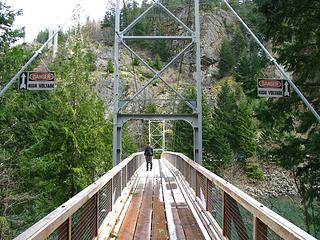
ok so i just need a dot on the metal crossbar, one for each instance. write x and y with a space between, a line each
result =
232 213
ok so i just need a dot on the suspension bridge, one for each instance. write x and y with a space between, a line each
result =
178 198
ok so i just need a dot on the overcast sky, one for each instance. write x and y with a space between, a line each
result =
41 14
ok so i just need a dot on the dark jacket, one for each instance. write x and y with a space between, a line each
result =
148 151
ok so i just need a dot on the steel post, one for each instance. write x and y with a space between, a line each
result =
198 130
116 156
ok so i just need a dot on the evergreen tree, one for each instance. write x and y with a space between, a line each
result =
225 114
75 130
157 63
11 58
249 69
8 35
292 28
226 62
43 36
246 131
183 132
238 43
53 144
232 131
108 23
221 138
219 154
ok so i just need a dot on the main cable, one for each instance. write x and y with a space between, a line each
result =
274 61
38 52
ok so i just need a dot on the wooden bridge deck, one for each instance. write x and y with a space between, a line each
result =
158 209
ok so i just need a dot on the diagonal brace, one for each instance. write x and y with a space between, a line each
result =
128 28
174 17
158 75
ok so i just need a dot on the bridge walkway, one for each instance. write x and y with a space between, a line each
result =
158 209
178 199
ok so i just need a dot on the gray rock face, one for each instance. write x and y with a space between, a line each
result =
215 26
105 53
104 88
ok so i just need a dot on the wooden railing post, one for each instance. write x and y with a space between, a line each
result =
260 230
231 212
207 194
112 196
69 228
197 192
97 213
226 218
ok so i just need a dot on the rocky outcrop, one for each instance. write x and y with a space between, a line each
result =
277 182
215 26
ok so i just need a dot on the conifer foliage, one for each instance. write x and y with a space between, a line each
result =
227 60
52 144
233 130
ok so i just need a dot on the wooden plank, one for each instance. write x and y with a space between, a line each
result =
178 225
129 224
179 200
182 211
174 225
157 168
143 228
189 224
159 227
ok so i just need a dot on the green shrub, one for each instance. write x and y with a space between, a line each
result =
110 67
151 108
162 90
135 62
253 169
157 63
4 229
146 73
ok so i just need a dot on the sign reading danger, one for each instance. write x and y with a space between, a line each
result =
37 81
273 88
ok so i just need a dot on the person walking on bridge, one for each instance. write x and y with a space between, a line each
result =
148 153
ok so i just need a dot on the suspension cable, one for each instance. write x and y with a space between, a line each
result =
274 61
38 52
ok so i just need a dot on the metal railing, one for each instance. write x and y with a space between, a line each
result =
83 215
231 213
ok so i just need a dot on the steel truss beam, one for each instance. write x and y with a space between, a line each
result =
194 119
